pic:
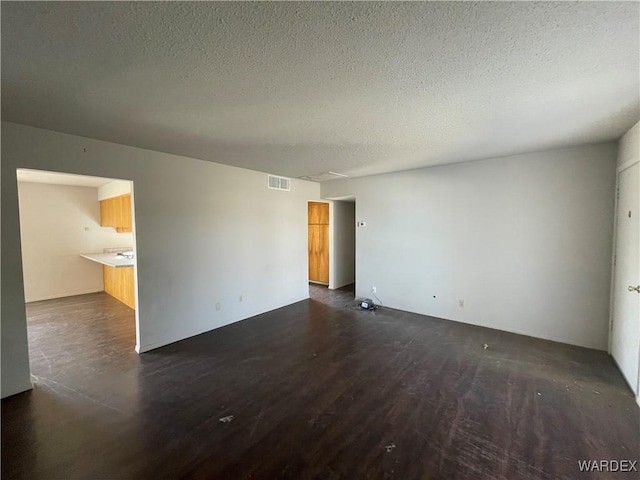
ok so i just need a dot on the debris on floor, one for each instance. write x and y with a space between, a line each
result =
388 448
539 394
226 419
485 346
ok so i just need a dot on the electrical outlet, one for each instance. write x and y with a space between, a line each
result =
218 306
374 289
240 298
461 303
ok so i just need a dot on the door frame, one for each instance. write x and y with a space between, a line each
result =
333 233
136 347
330 245
619 170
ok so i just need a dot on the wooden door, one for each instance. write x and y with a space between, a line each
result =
625 332
318 213
318 223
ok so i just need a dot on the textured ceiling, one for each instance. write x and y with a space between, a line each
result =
303 88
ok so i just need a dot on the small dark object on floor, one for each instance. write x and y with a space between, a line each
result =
367 304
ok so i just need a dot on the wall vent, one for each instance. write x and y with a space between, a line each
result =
279 183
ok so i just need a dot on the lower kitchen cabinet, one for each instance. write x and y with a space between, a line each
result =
118 282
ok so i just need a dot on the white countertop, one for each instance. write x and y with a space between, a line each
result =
109 259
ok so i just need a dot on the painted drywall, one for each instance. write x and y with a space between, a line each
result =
57 224
524 241
343 247
205 233
114 189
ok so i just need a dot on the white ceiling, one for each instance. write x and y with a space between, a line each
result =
304 88
39 176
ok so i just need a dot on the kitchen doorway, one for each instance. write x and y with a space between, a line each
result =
78 250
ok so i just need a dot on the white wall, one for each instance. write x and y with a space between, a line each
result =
57 224
525 241
205 233
114 189
343 246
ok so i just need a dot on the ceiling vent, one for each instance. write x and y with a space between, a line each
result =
279 183
319 177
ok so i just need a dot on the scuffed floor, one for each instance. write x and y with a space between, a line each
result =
318 389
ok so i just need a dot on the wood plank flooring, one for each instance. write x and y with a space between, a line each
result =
317 390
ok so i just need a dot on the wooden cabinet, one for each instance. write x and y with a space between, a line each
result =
125 208
106 213
116 212
118 282
318 223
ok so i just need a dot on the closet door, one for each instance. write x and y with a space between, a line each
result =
318 218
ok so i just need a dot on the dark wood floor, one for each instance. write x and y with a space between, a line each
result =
317 390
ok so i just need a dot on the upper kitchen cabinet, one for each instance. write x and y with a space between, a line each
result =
123 217
116 212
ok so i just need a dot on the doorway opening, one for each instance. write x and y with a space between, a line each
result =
78 251
332 244
318 222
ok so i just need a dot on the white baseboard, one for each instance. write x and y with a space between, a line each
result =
61 295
